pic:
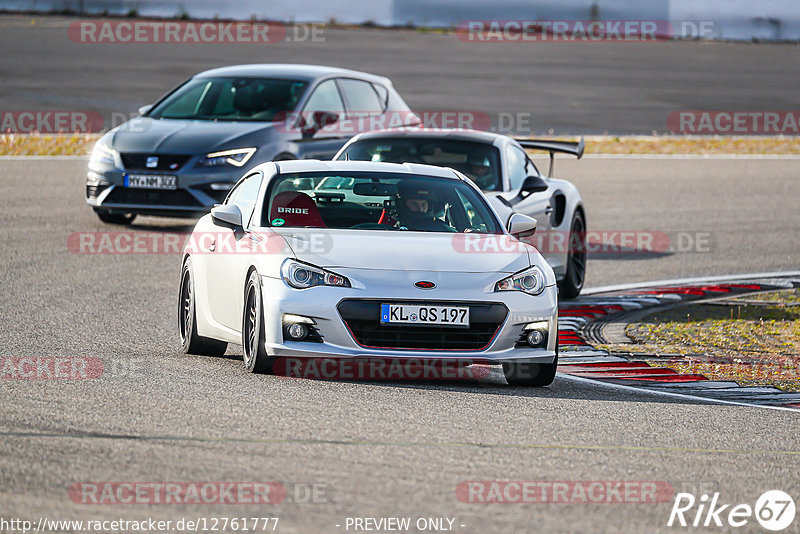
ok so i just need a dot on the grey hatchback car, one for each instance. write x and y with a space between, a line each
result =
186 151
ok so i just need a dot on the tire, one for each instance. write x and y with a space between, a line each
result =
570 287
256 359
115 218
191 343
535 375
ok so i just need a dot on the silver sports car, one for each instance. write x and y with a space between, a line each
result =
499 165
396 267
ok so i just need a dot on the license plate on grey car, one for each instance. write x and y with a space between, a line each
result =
151 181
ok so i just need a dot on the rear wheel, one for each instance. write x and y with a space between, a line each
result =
187 319
570 287
115 218
256 359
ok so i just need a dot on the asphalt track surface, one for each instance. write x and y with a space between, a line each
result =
379 448
620 88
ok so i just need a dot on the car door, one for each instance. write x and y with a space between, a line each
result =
229 260
325 140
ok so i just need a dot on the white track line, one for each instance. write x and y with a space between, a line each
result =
682 281
668 393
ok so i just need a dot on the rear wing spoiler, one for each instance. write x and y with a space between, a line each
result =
574 148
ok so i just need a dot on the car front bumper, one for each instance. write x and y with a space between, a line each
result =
340 339
198 189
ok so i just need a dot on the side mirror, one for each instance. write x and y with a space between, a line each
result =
144 109
319 120
227 215
520 224
533 184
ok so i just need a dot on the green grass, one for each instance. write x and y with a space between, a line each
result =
752 344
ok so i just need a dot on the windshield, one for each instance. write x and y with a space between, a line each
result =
231 99
377 201
478 161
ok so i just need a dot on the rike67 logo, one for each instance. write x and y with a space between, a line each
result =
774 510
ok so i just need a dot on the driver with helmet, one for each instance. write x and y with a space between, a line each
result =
417 205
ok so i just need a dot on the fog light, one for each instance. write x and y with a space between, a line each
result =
297 331
535 337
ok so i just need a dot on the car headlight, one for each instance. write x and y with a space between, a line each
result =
103 154
530 281
236 157
303 275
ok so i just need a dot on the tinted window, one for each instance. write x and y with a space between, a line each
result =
234 99
377 201
245 195
325 98
478 161
360 96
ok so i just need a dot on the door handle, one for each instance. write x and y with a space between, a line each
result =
548 210
213 246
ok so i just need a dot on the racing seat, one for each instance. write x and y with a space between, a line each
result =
296 209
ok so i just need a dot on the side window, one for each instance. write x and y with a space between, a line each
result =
518 166
245 196
361 97
325 98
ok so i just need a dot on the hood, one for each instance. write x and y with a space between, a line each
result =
407 251
169 136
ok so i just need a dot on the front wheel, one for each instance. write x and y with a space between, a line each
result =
191 343
530 374
570 287
256 359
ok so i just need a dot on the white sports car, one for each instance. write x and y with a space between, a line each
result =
412 262
499 165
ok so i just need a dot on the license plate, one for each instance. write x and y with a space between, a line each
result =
424 315
151 181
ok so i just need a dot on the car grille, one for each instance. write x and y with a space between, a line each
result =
362 318
166 162
158 197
